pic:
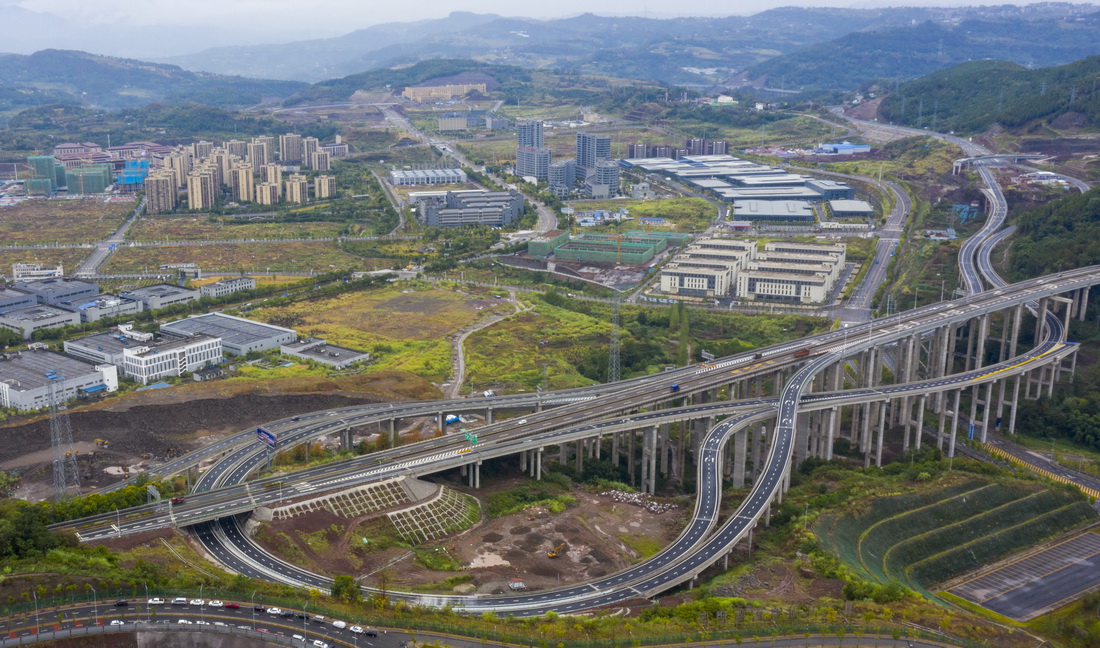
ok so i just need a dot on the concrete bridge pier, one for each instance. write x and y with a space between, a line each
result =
919 432
664 449
954 423
489 415
651 460
740 456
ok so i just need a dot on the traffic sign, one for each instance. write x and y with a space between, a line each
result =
267 437
971 437
706 355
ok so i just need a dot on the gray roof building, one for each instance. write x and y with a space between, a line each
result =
10 298
238 335
93 309
25 378
161 295
39 317
58 289
323 352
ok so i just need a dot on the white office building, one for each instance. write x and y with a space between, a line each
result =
26 377
227 287
146 363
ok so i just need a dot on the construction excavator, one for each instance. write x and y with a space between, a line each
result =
556 551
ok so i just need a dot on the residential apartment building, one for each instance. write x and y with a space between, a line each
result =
297 188
324 186
201 190
161 192
290 148
267 193
533 162
272 174
320 160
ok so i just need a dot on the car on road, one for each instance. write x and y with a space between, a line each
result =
319 643
371 633
116 622
184 622
339 625
216 603
232 606
179 600
121 603
202 623
356 629
155 601
298 637
274 611
301 615
199 602
259 608
318 618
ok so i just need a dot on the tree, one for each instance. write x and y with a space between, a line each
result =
344 587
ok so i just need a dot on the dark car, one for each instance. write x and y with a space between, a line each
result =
371 633
232 606
121 603
302 615
259 608
287 614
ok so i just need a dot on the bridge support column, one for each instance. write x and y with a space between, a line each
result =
757 441
523 461
920 421
954 424
489 415
345 440
580 454
664 450
830 437
442 423
985 410
538 464
631 437
881 433
651 438
1083 304
1012 405
1041 320
941 431
740 440
615 448
393 433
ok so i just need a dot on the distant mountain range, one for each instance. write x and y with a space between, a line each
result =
911 51
59 76
972 97
794 48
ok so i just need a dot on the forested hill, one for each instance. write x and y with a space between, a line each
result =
109 82
1061 235
903 53
971 97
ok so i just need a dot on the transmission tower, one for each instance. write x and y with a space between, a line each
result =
65 475
614 368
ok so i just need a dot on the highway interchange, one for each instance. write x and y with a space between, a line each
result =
224 491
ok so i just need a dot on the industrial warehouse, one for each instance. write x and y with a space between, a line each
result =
800 273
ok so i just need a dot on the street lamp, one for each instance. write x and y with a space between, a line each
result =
147 606
202 602
37 623
253 609
118 522
95 604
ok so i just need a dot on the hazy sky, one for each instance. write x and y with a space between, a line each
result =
330 17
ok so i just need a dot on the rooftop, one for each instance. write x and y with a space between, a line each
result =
169 345
234 331
26 370
311 347
158 290
111 342
34 313
41 285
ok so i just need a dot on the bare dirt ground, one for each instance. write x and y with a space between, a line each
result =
165 423
492 553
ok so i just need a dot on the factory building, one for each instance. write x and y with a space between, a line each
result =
323 352
57 290
93 309
160 295
145 356
39 317
774 210
238 336
26 378
455 208
402 178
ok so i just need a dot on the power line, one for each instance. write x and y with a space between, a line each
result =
614 366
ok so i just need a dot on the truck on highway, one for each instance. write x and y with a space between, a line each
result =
674 388
802 353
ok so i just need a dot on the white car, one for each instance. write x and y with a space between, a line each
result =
319 643
155 601
275 611
298 637
340 625
202 623
216 604
356 629
117 622
197 602
184 622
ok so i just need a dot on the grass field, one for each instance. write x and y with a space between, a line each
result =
684 214
319 257
510 355
199 228
406 331
70 257
61 221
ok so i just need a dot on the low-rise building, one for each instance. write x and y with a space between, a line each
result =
35 271
427 177
831 189
161 295
93 309
789 272
227 287
26 378
698 279
239 336
857 208
774 210
58 289
492 208
39 317
321 351
146 363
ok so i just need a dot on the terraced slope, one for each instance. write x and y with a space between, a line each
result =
921 539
